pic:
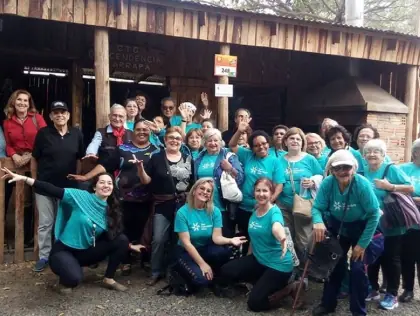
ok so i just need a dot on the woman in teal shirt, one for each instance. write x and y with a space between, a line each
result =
88 229
277 145
410 254
201 250
257 163
315 147
345 199
269 264
193 140
385 179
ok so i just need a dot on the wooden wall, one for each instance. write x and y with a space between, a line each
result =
219 25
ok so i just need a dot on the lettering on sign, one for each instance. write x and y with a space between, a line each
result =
134 59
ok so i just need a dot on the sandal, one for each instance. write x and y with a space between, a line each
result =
126 269
115 286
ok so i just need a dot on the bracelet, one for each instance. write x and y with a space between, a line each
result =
184 121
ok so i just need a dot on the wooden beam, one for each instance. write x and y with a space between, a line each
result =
19 219
76 88
223 102
102 92
410 100
2 215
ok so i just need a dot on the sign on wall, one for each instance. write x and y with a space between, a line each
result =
225 65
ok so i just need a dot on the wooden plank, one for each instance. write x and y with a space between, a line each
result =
204 29
212 27
142 17
229 29
290 36
367 47
282 35
375 51
19 220
406 52
400 50
79 11
68 11
223 103
57 10
134 17
323 39
90 12
354 44
410 100
1 11
10 6
244 31
188 23
263 34
169 21
76 88
274 37
151 19
221 29
102 90
110 14
312 40
195 25
237 31
179 22
297 45
101 12
122 19
23 8
252 32
2 212
160 20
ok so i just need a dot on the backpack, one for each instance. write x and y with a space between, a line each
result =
176 284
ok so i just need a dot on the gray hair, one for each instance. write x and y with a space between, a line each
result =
416 146
117 106
375 144
213 132
341 155
318 137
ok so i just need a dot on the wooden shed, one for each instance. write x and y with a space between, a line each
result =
87 44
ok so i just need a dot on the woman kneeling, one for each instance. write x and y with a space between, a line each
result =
269 264
87 230
201 252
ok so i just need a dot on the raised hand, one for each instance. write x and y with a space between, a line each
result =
206 114
77 177
14 177
90 156
204 99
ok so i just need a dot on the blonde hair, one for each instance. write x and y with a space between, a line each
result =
318 137
10 110
209 206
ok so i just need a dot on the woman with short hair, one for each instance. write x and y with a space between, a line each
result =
193 140
278 133
315 147
346 201
132 113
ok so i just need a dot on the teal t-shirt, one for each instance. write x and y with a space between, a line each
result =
194 154
272 151
191 126
322 160
387 160
255 168
326 151
198 223
265 247
79 228
363 205
206 169
175 120
359 159
413 172
306 167
130 125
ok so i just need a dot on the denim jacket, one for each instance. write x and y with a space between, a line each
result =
233 160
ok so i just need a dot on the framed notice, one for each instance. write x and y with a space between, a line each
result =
225 65
223 90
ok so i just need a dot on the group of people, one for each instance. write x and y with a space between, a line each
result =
164 188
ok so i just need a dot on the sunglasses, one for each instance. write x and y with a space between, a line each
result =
342 168
169 108
177 138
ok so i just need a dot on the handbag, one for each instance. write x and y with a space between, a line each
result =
230 189
301 206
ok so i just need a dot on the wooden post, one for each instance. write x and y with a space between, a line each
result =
76 81
2 215
410 100
223 102
102 91
19 220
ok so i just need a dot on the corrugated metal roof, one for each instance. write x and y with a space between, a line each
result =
300 19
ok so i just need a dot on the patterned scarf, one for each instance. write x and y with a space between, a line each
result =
119 134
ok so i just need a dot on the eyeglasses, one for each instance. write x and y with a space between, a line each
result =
342 168
177 138
317 143
169 108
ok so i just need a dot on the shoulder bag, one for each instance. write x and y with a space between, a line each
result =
301 206
230 189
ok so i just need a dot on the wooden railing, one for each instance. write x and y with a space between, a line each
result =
19 249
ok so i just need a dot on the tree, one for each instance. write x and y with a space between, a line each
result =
397 15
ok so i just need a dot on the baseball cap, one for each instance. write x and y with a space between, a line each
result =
342 163
59 105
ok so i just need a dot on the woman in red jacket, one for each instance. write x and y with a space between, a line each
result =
20 128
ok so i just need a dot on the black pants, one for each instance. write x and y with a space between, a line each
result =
242 219
135 218
373 274
266 281
67 262
410 256
228 229
391 263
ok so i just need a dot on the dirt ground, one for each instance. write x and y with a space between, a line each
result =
25 293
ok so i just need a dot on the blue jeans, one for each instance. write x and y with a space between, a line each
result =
161 236
215 256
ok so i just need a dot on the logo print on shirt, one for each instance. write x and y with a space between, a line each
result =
254 225
258 171
337 206
196 227
208 165
340 206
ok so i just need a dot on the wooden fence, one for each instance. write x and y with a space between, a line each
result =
19 249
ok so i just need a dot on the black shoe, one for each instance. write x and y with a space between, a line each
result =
321 310
382 289
406 297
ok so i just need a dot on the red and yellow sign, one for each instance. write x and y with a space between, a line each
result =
225 65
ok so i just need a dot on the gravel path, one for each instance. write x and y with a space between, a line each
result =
24 293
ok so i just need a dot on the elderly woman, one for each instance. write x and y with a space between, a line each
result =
257 163
278 133
299 167
339 138
348 204
268 265
193 141
327 123
168 109
135 197
315 147
201 248
410 254
211 162
132 113
169 176
386 178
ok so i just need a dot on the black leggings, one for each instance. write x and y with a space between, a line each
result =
410 256
266 281
242 219
67 262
